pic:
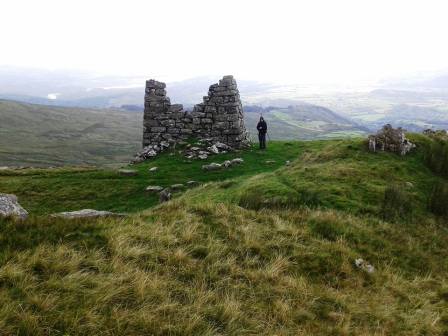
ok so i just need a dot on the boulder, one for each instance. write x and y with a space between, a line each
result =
10 207
153 169
237 161
128 172
203 156
86 213
154 189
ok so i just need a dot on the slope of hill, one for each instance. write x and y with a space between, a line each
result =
40 135
303 121
253 254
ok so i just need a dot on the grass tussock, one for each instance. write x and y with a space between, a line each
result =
208 269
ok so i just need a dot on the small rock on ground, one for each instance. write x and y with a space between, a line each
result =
128 172
153 169
212 166
86 213
154 189
364 265
178 186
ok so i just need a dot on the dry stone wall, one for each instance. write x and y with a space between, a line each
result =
219 117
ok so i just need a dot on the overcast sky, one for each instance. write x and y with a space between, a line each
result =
298 41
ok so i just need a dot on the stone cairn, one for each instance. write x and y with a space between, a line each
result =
219 118
391 140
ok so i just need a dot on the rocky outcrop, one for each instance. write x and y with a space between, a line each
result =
390 139
10 207
219 117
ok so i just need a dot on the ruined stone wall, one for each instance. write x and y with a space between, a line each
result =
219 117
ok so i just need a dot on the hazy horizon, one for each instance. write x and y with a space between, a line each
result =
344 42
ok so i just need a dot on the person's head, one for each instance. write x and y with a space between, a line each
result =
261 119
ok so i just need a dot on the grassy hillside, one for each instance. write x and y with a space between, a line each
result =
39 135
42 136
261 248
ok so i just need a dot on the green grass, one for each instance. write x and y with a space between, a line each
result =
43 191
260 249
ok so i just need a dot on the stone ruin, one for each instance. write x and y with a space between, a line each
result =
218 119
391 140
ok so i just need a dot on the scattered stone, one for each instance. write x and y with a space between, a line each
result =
287 162
270 161
10 207
391 140
364 265
165 195
153 169
192 183
176 187
154 189
203 156
227 163
213 149
86 213
222 147
212 166
128 172
237 161
4 168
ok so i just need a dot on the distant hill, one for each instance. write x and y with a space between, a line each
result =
303 121
40 135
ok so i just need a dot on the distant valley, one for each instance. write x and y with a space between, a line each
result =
42 135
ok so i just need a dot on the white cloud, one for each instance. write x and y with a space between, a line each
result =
301 41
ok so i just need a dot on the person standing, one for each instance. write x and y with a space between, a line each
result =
262 128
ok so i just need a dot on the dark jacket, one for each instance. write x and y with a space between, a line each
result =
262 127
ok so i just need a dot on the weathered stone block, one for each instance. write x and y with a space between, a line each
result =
176 108
155 84
158 129
160 92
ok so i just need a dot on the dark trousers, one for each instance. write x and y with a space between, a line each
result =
262 140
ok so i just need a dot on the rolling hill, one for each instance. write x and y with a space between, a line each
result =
303 121
42 135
